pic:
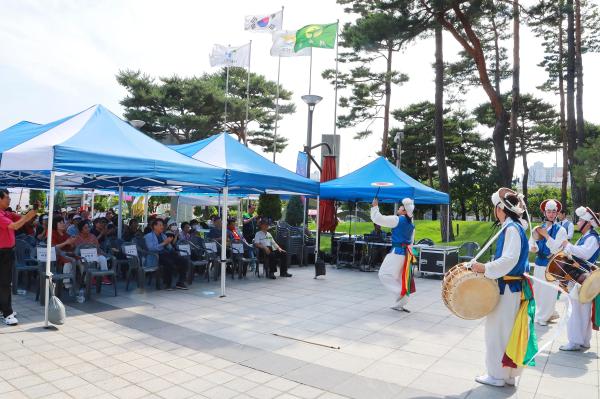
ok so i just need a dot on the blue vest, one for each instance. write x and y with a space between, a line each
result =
566 223
402 235
541 259
522 265
594 257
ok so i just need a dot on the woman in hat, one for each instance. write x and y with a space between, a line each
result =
512 318
546 240
395 272
584 252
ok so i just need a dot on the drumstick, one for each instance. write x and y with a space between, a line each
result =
377 193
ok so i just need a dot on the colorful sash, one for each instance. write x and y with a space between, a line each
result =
522 345
407 278
596 313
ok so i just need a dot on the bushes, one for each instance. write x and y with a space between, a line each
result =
294 213
269 206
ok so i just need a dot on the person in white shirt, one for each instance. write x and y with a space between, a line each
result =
566 223
509 267
271 252
546 240
584 252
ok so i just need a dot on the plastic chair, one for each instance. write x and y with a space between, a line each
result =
25 262
469 249
141 263
92 269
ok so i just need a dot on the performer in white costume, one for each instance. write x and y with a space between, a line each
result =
579 326
395 272
566 223
513 316
552 237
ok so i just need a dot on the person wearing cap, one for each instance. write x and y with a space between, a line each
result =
273 253
506 352
584 252
552 235
566 223
395 272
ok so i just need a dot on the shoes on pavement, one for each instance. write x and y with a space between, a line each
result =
570 347
11 320
488 380
181 286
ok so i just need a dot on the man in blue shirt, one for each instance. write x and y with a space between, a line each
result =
158 242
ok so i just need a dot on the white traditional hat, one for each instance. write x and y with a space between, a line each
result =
499 200
409 206
585 213
550 205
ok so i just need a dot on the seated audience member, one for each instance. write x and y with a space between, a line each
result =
157 241
148 227
87 238
100 229
186 232
72 229
216 229
132 231
42 228
233 235
65 258
272 253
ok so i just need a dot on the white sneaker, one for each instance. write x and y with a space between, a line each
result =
542 323
11 320
510 381
400 308
570 347
488 380
585 346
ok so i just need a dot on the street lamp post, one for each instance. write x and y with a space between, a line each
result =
311 100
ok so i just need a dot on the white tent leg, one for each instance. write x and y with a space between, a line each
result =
48 275
224 239
120 216
145 215
92 206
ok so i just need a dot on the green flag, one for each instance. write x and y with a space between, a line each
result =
322 36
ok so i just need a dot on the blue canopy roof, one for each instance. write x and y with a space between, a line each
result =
358 186
96 149
247 171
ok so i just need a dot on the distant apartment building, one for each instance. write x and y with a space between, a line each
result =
539 175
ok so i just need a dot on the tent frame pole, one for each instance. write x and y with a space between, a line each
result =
120 215
48 275
224 240
92 204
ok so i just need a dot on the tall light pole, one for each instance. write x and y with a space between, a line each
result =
311 100
399 137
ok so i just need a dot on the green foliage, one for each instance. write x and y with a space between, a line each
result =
154 201
197 211
536 195
269 206
37 195
587 170
190 109
60 200
294 213
101 203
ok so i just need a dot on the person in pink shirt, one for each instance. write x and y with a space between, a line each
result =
9 222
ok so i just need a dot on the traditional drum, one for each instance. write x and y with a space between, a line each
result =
563 269
535 233
467 294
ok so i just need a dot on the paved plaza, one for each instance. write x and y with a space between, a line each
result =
287 338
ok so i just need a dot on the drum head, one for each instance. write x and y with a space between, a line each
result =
590 287
476 298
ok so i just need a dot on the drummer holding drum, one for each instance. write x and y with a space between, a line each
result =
546 239
585 252
511 320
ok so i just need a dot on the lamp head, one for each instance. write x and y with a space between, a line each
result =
136 123
311 99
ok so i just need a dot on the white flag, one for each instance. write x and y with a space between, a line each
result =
264 23
230 56
283 44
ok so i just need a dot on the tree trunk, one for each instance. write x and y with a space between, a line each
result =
440 148
388 97
476 212
561 90
579 95
497 57
571 122
514 109
525 167
463 209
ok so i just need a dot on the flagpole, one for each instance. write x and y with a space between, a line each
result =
247 96
276 110
277 99
226 94
337 40
310 73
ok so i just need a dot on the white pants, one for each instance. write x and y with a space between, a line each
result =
545 297
67 268
579 326
498 328
102 262
390 274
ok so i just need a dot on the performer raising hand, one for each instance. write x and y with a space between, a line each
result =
395 272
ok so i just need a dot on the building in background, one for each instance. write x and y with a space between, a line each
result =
539 175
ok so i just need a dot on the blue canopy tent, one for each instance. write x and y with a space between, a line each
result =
358 186
247 171
94 148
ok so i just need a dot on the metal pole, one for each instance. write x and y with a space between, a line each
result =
311 109
226 93
120 215
48 275
398 160
318 238
276 110
310 74
92 206
145 216
247 96
336 86
448 224
224 240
